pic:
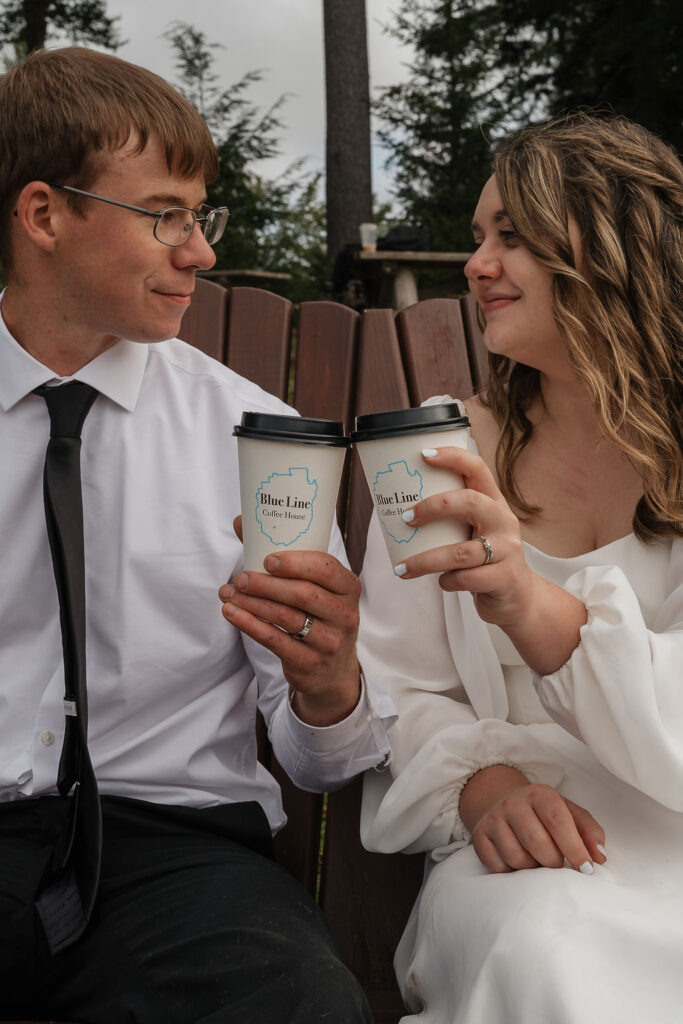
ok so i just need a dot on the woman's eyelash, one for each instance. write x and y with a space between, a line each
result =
507 236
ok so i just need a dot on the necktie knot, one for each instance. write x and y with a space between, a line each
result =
68 405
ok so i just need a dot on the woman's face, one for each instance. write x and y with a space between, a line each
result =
513 290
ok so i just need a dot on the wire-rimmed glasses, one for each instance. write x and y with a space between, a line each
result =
173 224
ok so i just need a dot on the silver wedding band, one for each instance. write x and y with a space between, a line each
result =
305 629
487 548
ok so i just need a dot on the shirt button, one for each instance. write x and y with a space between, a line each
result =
47 738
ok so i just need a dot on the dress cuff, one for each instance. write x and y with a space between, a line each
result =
459 833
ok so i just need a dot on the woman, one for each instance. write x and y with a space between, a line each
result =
538 756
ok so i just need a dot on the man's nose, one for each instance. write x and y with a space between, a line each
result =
195 252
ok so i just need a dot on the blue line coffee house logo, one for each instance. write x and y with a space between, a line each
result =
395 489
284 505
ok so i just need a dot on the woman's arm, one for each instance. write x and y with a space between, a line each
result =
621 691
602 672
438 742
542 620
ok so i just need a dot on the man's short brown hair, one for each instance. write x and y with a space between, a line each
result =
59 108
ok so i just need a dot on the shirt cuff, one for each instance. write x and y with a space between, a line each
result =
319 758
374 711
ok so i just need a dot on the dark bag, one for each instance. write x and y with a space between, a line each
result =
406 238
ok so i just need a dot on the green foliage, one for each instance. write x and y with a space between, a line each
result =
26 25
484 67
432 124
623 56
278 224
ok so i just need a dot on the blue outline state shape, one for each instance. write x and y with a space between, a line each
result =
282 543
382 472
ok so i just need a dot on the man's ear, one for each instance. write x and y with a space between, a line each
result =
39 212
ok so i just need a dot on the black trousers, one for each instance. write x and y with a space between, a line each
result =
195 924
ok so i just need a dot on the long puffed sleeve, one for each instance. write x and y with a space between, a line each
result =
621 691
439 741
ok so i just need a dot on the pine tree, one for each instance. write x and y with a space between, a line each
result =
27 25
484 67
437 125
275 224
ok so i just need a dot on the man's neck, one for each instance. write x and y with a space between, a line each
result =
54 343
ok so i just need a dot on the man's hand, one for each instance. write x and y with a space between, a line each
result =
272 606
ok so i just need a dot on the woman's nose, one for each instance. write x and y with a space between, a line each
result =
484 262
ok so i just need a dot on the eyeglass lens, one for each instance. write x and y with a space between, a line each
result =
214 225
176 225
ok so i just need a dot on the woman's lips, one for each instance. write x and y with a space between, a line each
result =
494 302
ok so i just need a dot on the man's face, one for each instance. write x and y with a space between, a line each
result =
114 278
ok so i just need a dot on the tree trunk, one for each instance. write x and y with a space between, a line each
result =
349 187
35 18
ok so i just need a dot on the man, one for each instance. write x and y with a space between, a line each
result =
102 184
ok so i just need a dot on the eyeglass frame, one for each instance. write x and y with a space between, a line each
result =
149 213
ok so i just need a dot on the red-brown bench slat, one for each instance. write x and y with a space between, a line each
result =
434 350
258 339
204 323
478 356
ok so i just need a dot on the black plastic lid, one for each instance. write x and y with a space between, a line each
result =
269 427
408 421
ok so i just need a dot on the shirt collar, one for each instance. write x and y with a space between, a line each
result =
116 373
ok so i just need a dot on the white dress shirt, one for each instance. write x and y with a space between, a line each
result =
172 686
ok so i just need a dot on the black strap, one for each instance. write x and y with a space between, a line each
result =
66 894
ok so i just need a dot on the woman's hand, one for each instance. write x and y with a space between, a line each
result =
501 586
516 824
542 620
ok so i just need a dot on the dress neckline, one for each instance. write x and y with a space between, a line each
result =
586 554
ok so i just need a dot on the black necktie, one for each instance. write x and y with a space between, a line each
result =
67 891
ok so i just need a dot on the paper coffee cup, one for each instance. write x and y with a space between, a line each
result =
390 446
290 468
368 237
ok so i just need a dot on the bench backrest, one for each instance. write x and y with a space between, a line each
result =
337 364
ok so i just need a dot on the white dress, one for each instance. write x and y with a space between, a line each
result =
539 946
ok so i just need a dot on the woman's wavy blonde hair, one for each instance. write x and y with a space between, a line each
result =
621 316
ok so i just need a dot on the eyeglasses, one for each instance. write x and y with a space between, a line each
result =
174 224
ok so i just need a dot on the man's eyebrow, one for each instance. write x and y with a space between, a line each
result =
167 199
498 216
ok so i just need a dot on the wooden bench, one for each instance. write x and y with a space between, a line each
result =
333 362
344 364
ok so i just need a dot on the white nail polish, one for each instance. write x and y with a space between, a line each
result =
429 453
586 868
408 515
601 849
400 569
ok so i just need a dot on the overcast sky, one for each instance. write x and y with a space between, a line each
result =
284 39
